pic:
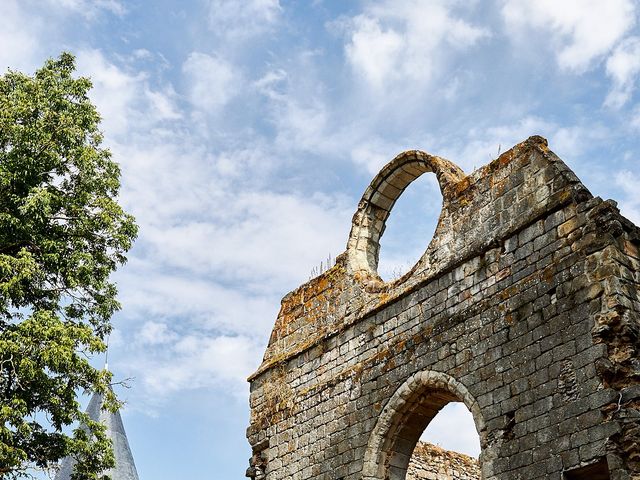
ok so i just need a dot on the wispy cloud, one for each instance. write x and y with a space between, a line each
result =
155 333
190 362
635 118
240 19
211 81
19 37
623 67
630 204
124 96
219 245
580 32
90 8
406 42
480 145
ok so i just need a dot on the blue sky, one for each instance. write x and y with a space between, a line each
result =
248 130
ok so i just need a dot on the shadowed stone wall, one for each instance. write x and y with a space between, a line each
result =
524 307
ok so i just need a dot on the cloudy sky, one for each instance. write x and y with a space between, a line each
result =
247 131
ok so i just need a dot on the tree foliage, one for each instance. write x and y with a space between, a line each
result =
62 233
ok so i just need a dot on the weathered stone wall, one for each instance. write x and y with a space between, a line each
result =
430 462
524 307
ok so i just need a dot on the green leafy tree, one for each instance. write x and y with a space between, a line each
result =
62 233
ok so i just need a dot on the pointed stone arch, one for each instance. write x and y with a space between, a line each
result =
405 416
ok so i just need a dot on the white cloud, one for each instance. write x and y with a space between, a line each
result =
480 145
273 84
197 361
125 99
297 107
623 66
373 52
218 246
248 236
375 153
198 300
628 182
404 41
220 274
19 33
31 31
155 333
303 125
635 118
242 19
212 81
581 32
454 429
90 8
114 91
221 238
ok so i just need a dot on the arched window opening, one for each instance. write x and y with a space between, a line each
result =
369 221
406 416
448 448
410 227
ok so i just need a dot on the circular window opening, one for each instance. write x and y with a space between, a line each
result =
410 227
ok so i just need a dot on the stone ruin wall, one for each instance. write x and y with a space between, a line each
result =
430 462
524 307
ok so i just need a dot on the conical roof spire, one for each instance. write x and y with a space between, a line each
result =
125 468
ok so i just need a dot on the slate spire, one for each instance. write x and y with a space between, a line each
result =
125 468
